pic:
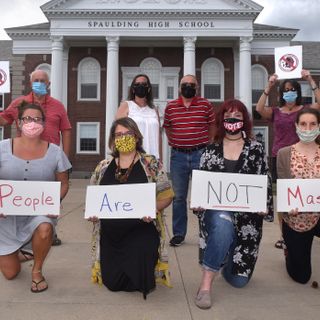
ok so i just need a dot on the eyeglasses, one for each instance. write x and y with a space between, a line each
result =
292 89
29 119
136 84
188 84
122 134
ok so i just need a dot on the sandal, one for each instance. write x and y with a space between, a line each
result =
35 288
279 244
25 256
56 241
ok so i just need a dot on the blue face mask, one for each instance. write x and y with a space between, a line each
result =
290 96
39 88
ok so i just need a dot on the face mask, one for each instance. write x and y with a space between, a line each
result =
140 91
307 135
125 143
290 96
32 129
39 88
233 125
188 91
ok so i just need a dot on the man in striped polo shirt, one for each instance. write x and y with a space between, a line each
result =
189 122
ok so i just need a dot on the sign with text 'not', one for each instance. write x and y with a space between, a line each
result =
229 191
29 198
126 201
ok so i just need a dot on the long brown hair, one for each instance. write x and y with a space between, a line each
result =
149 96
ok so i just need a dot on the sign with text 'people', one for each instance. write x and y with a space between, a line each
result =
126 201
29 198
229 191
303 194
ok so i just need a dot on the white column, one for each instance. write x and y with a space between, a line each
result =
65 78
189 57
112 93
236 71
57 67
245 85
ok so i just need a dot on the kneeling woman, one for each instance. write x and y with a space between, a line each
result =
231 239
301 161
29 158
128 252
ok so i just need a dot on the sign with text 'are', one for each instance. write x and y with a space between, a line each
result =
229 191
29 198
303 194
126 201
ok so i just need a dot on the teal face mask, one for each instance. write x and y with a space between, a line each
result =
290 96
39 88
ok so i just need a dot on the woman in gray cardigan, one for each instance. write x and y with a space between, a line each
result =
301 161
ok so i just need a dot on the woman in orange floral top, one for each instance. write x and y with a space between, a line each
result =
301 161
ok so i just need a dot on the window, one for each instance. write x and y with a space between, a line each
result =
45 67
170 89
88 134
1 101
212 79
306 92
1 133
152 68
259 81
89 79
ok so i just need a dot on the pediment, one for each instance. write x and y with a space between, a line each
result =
152 5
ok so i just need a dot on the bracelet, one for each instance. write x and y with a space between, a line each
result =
265 93
315 88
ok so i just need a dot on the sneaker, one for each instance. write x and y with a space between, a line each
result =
203 299
176 241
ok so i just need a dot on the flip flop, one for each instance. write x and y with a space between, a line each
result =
36 289
25 255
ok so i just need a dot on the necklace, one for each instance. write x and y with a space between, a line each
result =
236 139
123 177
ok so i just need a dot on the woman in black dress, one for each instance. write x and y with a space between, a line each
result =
129 247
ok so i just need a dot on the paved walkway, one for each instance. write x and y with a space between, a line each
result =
270 294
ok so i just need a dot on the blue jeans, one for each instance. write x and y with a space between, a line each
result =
181 166
221 242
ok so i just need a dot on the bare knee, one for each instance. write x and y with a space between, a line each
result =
11 273
44 231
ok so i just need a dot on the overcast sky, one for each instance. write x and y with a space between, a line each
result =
298 14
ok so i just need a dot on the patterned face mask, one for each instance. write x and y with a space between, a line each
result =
307 135
125 143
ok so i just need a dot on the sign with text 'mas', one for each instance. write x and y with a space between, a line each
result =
229 191
126 201
303 194
29 198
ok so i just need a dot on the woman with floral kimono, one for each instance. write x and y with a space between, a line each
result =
230 240
128 254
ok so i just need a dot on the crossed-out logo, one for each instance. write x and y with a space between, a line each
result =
288 62
3 77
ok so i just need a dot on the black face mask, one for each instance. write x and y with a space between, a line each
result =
233 125
140 91
188 91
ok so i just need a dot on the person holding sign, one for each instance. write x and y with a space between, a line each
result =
284 116
301 161
141 109
29 158
231 239
128 252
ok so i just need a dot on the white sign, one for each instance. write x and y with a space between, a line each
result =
303 194
4 77
229 191
288 62
126 201
29 198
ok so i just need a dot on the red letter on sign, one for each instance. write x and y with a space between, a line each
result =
3 194
298 193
